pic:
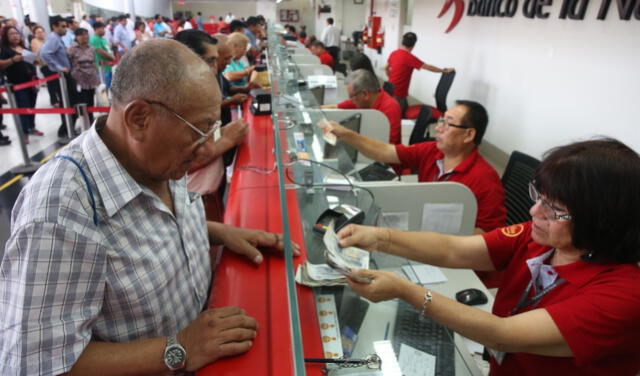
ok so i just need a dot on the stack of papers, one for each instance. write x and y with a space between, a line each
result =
340 263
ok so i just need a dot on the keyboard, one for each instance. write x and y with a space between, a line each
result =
376 172
425 335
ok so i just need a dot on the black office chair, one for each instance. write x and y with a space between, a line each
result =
519 173
442 90
388 87
340 67
420 132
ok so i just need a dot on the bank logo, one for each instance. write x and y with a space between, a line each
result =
457 14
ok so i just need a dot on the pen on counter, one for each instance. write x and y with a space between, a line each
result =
337 361
386 331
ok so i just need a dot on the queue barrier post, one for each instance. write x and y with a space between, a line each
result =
66 104
81 110
28 166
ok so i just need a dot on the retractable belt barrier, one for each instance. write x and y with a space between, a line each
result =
82 110
32 83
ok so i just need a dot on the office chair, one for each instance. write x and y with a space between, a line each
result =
420 132
389 87
442 90
519 173
340 67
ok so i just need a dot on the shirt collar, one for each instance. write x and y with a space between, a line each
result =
581 272
379 100
114 184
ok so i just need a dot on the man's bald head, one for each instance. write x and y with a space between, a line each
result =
161 70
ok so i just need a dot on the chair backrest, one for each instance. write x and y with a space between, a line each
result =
388 87
520 171
420 132
340 67
442 90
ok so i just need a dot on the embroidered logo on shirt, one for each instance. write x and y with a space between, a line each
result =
512 231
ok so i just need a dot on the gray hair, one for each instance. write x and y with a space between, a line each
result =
362 79
161 70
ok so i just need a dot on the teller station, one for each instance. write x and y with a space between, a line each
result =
287 178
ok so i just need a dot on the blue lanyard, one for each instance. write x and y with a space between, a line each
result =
86 181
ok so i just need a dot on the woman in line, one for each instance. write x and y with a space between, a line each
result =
83 68
570 303
19 71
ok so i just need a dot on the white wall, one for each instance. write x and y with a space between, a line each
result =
353 17
218 8
544 82
305 9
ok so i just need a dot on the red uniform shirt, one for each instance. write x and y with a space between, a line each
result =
402 63
474 172
390 107
326 59
597 310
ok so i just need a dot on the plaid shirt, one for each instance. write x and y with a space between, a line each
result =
141 273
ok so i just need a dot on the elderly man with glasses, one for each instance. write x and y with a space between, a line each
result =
453 156
108 269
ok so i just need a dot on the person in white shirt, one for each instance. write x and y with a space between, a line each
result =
331 39
130 26
229 17
86 25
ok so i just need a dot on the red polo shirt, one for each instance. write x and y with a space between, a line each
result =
390 107
326 59
402 63
597 310
474 172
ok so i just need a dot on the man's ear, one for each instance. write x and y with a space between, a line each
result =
470 136
137 116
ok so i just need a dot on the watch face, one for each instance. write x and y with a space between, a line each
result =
174 357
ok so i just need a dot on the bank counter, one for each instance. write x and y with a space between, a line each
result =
273 190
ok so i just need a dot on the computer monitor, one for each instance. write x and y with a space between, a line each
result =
353 123
318 93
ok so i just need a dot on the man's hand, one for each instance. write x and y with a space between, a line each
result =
238 99
448 70
64 70
254 85
365 237
245 241
333 127
235 131
16 58
383 285
217 333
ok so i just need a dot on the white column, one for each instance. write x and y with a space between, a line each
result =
38 12
17 10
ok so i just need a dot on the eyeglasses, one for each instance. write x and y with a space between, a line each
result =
548 210
445 123
355 94
204 136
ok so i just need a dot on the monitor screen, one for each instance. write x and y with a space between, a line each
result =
352 123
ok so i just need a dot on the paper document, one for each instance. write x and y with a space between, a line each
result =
424 274
397 221
442 218
322 80
28 56
390 366
414 362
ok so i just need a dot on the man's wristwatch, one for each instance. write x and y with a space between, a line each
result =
175 356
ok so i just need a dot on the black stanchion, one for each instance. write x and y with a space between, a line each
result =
66 104
28 166
81 110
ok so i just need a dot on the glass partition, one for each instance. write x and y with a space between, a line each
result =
323 177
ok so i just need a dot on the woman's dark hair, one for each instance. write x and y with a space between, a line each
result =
4 37
360 61
138 24
80 31
598 182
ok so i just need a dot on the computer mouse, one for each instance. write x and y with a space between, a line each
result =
471 297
